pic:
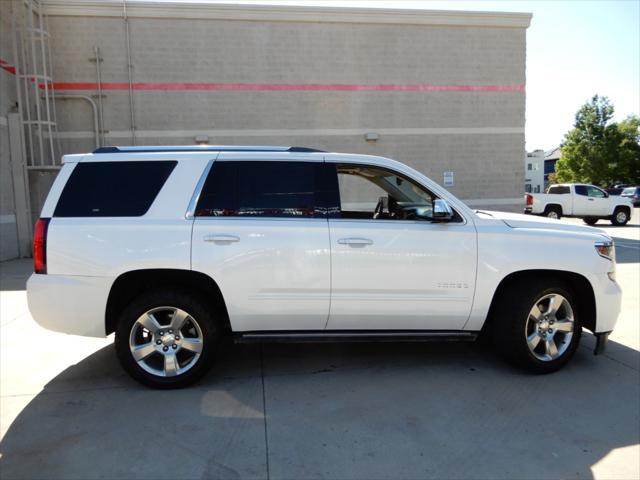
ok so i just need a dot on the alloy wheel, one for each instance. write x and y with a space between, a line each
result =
166 341
549 327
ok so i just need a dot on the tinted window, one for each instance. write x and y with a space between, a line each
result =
581 190
559 190
267 189
112 189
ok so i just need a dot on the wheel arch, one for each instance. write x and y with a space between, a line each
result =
129 285
552 206
580 285
622 207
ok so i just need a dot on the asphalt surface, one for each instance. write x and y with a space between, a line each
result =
332 411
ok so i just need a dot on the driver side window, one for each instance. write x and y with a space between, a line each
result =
595 192
368 192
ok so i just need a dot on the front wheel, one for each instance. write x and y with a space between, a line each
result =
166 339
620 217
536 324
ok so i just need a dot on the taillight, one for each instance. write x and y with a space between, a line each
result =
529 199
40 245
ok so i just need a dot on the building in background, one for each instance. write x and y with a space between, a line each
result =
534 177
441 91
550 160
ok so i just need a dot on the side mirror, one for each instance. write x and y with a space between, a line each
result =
441 210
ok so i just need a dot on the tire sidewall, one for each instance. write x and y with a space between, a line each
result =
555 210
614 218
514 333
185 301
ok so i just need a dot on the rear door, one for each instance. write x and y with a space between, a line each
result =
261 233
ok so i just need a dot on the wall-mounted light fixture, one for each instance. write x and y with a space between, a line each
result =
201 139
371 137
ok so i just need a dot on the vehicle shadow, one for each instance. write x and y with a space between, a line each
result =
627 250
366 411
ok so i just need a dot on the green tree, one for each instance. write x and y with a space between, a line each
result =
598 150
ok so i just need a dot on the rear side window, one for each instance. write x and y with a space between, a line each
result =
559 190
112 189
266 189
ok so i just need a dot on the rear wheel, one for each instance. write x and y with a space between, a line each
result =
620 216
554 212
590 220
166 339
536 324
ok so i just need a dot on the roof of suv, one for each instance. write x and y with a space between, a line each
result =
204 148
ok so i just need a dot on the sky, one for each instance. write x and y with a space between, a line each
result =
575 49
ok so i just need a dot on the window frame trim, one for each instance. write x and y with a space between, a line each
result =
195 197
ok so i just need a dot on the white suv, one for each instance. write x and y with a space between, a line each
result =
173 248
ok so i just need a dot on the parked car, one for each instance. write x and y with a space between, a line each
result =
174 248
614 190
588 202
633 193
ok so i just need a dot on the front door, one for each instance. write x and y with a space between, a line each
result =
391 267
259 234
590 200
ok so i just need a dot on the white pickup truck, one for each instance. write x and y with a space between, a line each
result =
577 200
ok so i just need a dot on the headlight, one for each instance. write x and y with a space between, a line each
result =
606 250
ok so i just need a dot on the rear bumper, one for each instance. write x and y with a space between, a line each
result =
69 304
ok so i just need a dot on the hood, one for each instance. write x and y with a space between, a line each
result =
518 220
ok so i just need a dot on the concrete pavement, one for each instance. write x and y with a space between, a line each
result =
348 411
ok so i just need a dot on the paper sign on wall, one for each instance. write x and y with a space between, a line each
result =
448 179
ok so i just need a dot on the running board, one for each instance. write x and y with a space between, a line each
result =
355 336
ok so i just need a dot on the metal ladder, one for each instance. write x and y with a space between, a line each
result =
34 85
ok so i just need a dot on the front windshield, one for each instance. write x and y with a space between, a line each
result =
629 191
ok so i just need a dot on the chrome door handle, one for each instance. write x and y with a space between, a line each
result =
355 241
590 199
222 238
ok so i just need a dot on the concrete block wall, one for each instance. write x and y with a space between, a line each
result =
8 226
478 134
443 91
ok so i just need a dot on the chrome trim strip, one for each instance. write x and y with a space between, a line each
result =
191 210
354 334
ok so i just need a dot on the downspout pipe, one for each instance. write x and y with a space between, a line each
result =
129 73
94 107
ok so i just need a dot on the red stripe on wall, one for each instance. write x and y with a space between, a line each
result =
336 87
277 87
4 65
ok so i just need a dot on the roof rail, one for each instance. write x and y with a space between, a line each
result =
204 148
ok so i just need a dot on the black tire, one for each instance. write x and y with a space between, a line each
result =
621 216
590 220
198 311
509 322
553 211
